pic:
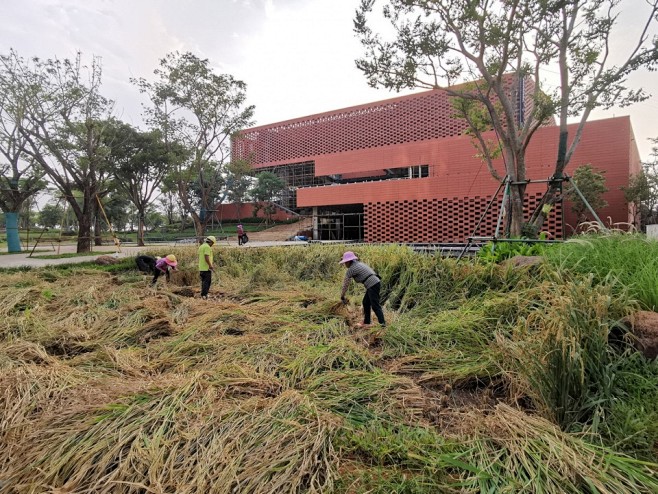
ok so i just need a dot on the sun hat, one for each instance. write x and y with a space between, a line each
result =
212 239
171 260
348 256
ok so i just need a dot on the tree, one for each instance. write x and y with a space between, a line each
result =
67 117
196 107
495 46
140 161
155 219
117 209
591 183
20 176
268 186
51 215
238 182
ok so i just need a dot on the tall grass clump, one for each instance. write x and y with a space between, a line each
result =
630 259
560 351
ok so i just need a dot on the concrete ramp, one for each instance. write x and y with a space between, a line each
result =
281 233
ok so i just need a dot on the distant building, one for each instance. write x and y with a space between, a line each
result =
402 170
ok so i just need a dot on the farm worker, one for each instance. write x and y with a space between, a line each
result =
206 266
146 264
362 273
163 266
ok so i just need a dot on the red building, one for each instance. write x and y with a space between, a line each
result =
402 170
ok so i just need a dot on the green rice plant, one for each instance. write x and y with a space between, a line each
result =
264 275
359 478
631 424
560 354
630 259
516 452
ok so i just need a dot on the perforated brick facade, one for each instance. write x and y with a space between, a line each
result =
450 220
418 130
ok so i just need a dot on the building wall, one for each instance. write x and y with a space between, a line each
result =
446 206
231 212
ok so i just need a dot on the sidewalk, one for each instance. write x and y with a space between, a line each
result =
22 259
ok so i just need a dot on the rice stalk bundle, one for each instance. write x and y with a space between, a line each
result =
21 352
386 456
126 362
243 381
325 333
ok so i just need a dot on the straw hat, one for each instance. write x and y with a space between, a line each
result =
348 256
171 260
211 238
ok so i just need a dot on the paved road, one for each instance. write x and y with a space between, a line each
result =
22 259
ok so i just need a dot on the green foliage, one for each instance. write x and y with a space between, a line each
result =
642 190
495 252
591 183
632 422
268 186
51 215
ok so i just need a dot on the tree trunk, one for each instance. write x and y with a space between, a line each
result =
199 227
84 217
98 232
84 233
140 230
516 201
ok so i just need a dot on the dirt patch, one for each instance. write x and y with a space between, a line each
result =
154 329
107 260
68 345
184 292
644 327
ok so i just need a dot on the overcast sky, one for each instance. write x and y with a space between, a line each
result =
296 56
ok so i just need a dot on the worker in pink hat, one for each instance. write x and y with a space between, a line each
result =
163 266
362 273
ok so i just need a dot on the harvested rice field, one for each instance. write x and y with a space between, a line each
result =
486 379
